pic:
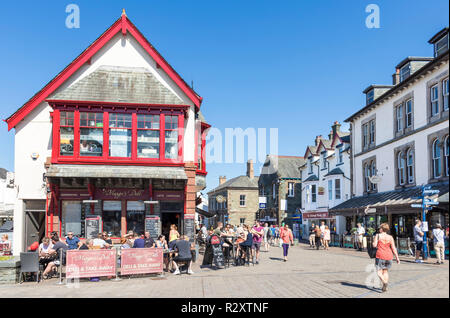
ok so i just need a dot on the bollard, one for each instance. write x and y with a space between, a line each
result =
60 268
117 278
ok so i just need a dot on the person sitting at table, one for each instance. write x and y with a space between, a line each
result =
72 241
84 244
44 252
6 244
148 241
106 238
162 243
99 242
246 245
139 242
183 247
57 249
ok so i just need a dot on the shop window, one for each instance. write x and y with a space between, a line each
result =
91 134
171 137
135 216
120 135
71 217
148 136
111 216
66 134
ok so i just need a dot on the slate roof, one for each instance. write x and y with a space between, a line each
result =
334 172
311 178
119 84
396 197
3 172
312 149
283 166
238 182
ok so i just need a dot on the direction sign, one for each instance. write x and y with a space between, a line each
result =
427 187
416 205
429 202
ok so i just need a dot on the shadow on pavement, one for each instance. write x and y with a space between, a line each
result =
360 286
276 258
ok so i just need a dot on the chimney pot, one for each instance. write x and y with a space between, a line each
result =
250 171
222 179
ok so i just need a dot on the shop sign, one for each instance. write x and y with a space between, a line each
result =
168 195
315 215
90 263
321 190
121 194
141 261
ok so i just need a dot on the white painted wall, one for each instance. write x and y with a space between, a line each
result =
385 161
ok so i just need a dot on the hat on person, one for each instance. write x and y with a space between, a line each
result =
34 246
438 225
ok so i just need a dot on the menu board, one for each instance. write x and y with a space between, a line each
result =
93 226
218 256
189 226
153 225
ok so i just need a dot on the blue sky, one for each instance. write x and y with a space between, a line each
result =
293 65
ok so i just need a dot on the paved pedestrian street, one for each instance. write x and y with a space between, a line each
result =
308 273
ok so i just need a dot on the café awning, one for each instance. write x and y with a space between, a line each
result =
95 171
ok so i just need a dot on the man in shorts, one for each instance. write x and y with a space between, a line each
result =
418 238
258 233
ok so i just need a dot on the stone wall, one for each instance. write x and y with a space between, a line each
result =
236 212
9 270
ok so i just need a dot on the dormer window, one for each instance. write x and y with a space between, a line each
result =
324 160
310 165
405 71
370 96
441 46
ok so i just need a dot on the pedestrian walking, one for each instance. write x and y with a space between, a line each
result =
312 235
258 232
266 236
439 245
418 239
318 236
287 238
327 237
322 232
385 251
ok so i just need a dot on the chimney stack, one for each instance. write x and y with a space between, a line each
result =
396 77
250 171
317 141
336 128
222 179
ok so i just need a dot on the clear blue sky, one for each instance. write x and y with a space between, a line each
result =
294 65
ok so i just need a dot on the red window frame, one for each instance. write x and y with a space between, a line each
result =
154 118
97 120
201 158
177 110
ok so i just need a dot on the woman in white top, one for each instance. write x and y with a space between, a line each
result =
45 247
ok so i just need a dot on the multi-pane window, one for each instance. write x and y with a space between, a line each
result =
66 134
171 137
366 177
401 168
373 173
441 46
291 189
446 155
445 94
405 72
324 160
330 189
409 114
91 134
310 165
341 154
365 135
120 135
410 165
314 193
337 189
434 100
242 200
372 132
436 159
148 136
399 115
370 96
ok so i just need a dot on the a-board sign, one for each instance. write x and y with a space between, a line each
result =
189 226
153 225
90 263
93 226
218 259
141 261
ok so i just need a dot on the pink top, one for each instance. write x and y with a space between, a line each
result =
384 250
286 235
326 235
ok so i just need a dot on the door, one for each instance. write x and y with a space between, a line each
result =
34 227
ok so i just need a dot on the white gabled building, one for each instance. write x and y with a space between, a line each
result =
401 137
326 179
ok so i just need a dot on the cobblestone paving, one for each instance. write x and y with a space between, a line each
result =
308 273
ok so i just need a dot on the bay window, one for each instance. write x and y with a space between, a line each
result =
97 135
120 135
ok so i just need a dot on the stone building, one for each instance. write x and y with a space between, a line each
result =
235 201
280 186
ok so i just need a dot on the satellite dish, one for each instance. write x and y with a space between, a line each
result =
375 179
